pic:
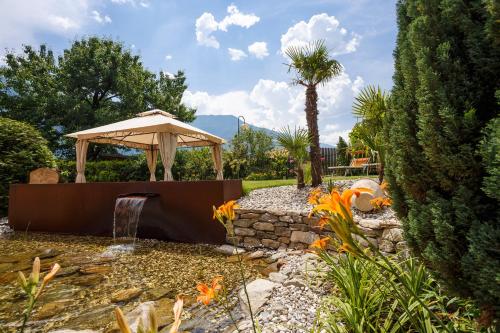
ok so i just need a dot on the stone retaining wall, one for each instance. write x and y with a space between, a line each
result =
277 229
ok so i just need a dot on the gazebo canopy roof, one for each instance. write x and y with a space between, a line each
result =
141 132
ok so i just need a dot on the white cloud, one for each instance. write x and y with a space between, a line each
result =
259 49
21 20
236 54
61 22
274 104
142 3
100 18
325 27
206 24
168 57
235 17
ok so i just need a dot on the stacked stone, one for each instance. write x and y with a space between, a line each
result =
287 229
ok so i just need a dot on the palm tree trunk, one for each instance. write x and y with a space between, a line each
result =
381 173
312 125
300 177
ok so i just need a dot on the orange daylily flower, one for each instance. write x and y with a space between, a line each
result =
379 203
314 196
335 209
323 221
348 248
207 294
384 186
338 204
320 244
225 211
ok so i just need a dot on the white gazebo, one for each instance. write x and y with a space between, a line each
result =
152 131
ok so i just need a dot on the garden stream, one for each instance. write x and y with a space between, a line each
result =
94 280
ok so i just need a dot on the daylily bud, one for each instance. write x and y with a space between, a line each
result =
122 322
22 280
52 273
179 304
153 320
35 275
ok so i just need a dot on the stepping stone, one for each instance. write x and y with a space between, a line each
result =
125 295
229 250
95 269
53 308
255 255
86 280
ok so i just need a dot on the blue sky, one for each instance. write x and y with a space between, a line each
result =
231 51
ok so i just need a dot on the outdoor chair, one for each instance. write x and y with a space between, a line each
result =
356 164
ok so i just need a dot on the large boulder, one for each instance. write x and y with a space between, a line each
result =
44 176
363 201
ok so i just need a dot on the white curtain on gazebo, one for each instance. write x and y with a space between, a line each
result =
217 158
167 144
151 157
81 159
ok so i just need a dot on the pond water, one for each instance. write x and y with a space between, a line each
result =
96 276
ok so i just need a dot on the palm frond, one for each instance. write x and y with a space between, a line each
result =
296 141
312 63
371 103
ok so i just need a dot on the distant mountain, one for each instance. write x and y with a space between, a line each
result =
226 126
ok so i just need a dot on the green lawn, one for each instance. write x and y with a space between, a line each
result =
250 185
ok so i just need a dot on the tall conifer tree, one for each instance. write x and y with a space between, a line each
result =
439 160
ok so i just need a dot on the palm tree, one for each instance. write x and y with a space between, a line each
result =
371 105
313 67
296 143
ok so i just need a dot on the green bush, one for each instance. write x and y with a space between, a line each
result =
368 300
278 163
189 164
307 173
193 164
447 61
133 169
259 176
23 149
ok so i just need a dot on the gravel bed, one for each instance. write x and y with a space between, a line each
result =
290 199
293 305
284 198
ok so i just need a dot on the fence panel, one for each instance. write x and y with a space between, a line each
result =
328 159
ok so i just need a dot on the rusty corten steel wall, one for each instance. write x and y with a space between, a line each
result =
182 211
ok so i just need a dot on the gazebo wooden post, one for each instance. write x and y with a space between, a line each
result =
217 158
81 159
151 157
167 144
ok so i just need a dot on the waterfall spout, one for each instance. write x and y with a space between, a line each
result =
126 218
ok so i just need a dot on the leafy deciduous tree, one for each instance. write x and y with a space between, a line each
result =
94 82
23 150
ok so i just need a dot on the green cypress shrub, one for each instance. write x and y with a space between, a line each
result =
22 149
442 169
343 157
